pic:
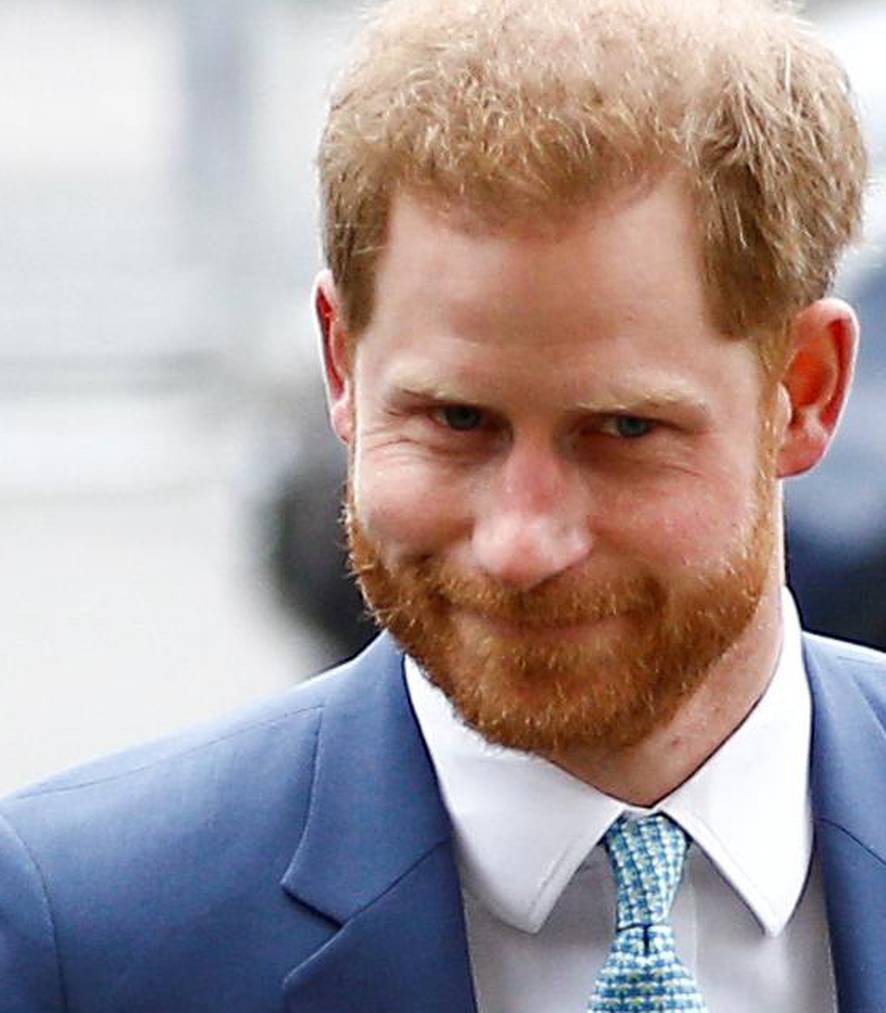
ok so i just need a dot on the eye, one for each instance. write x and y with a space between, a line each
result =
461 418
628 427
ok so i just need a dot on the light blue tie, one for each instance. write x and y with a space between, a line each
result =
643 973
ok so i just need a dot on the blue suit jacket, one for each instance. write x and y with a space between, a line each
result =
298 858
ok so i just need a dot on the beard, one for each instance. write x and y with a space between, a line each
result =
643 645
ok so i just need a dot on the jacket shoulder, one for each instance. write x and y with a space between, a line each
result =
175 850
844 650
250 730
838 666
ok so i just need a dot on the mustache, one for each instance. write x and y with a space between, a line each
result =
555 602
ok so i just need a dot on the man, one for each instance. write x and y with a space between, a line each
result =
576 331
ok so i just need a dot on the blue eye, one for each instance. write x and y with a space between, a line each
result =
462 418
631 427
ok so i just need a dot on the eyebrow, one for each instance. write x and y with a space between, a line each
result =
627 400
638 402
431 391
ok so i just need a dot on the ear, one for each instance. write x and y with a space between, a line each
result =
337 365
817 378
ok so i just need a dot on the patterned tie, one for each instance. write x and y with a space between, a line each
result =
643 973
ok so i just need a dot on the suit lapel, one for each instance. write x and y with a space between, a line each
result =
848 781
376 858
376 855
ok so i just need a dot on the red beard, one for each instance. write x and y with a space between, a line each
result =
642 647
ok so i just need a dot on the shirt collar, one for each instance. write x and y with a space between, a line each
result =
523 826
748 807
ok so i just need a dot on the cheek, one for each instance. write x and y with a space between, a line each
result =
691 521
406 507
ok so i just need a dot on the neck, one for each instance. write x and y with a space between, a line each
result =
645 773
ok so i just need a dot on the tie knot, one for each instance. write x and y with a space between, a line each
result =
647 861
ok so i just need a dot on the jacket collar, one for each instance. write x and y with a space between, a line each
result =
848 779
376 856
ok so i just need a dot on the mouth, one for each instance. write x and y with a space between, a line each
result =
547 632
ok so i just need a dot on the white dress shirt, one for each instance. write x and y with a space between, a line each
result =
748 917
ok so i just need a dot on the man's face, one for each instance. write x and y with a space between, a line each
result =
562 498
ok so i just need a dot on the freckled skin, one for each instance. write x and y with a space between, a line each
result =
550 412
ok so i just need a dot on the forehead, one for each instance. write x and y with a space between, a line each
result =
606 305
631 257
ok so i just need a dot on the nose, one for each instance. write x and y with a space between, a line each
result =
533 524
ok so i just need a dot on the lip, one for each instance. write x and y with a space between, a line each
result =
562 632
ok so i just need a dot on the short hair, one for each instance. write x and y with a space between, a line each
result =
516 110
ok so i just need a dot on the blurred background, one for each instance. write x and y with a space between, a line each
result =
168 489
